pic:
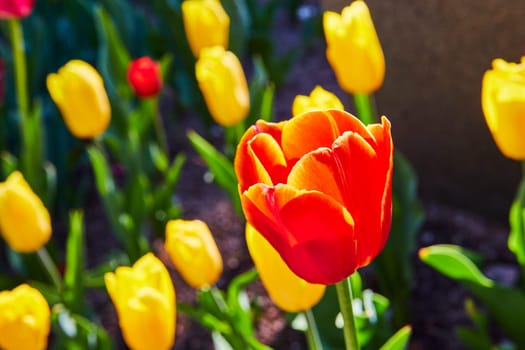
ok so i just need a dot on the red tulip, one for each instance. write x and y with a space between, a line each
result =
144 77
15 8
318 187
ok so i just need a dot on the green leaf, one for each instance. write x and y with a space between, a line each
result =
219 342
8 162
261 94
398 341
121 224
113 57
516 240
112 62
506 305
220 166
163 208
238 303
95 278
73 331
75 262
453 262
240 23
159 158
477 337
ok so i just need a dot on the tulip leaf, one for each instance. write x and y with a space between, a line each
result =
219 342
205 318
506 305
120 222
163 208
220 166
113 57
453 262
261 94
516 241
158 156
112 62
477 337
76 332
398 341
75 262
8 162
240 23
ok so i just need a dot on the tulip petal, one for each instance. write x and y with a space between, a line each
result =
269 158
246 168
305 227
365 188
307 132
317 171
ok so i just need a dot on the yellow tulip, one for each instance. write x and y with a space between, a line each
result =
353 49
319 99
223 84
25 223
144 298
288 291
206 24
24 319
503 103
78 90
194 252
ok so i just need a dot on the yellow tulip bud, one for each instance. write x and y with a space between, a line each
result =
319 99
206 24
78 90
24 319
353 49
25 223
223 84
288 291
503 103
144 298
194 252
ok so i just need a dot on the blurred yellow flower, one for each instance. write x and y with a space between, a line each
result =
144 298
353 49
25 223
194 252
288 291
78 90
319 99
503 103
24 319
223 84
206 24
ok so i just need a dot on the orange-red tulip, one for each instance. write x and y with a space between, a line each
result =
318 187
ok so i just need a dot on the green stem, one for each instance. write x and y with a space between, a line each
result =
29 164
160 130
520 196
344 295
51 269
364 105
312 333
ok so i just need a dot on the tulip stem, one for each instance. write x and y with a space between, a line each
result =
51 268
364 105
312 333
159 125
520 197
29 143
344 295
